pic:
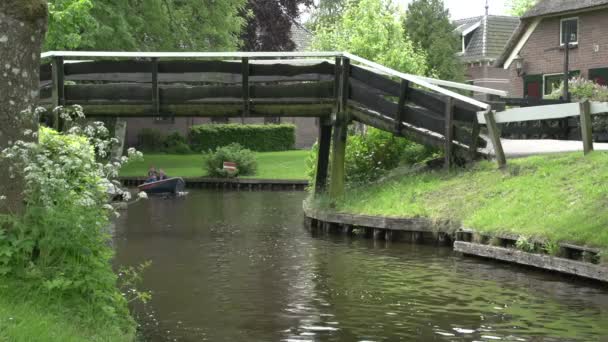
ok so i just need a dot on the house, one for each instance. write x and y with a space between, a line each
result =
306 128
483 40
535 55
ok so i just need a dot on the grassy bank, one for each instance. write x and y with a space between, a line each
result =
27 315
561 198
271 165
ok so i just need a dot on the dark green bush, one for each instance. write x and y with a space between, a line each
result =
176 143
150 140
261 138
371 155
235 153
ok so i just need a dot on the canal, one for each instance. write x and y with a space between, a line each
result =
239 266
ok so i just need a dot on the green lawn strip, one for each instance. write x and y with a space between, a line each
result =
271 165
27 315
562 198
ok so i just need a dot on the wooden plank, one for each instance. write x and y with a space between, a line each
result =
449 132
285 69
494 135
323 157
245 69
557 111
155 91
139 54
586 126
109 92
436 103
403 97
376 80
203 77
464 86
183 67
344 86
270 107
337 74
102 67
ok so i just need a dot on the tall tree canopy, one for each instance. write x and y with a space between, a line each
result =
144 25
325 12
519 7
22 27
372 29
428 25
269 22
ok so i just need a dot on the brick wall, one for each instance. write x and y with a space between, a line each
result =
485 75
541 57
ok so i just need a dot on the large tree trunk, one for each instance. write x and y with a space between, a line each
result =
22 30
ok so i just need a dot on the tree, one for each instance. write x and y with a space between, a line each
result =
370 29
428 25
22 27
144 25
269 22
520 7
325 12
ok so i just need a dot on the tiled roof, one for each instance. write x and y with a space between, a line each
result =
300 36
487 41
545 7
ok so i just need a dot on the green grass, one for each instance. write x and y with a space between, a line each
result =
560 198
28 316
271 165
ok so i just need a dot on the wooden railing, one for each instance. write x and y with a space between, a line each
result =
584 110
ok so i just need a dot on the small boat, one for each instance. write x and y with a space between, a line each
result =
166 186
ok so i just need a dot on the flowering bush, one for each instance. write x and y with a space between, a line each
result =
61 240
235 153
581 90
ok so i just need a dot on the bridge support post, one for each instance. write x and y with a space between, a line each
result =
449 133
58 90
336 186
495 138
323 157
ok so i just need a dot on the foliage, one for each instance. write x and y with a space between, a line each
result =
427 24
524 244
520 7
144 25
60 242
568 189
176 143
271 165
372 29
259 138
580 90
235 153
269 24
325 12
371 155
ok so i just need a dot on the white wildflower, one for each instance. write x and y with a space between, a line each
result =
2 197
142 195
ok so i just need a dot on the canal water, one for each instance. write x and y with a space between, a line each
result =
240 266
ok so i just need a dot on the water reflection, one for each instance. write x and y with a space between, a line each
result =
240 267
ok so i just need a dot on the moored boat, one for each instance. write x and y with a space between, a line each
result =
165 186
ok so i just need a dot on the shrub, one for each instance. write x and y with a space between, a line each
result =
244 158
176 143
60 242
371 155
582 89
261 138
150 140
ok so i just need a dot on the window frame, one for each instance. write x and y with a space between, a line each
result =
561 30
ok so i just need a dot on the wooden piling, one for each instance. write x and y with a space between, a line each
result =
323 157
586 127
336 187
494 134
449 132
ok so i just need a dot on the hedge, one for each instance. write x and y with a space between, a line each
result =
261 138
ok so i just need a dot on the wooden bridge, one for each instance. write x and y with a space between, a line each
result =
333 86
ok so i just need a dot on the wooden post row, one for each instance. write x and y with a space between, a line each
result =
586 127
449 132
494 134
58 89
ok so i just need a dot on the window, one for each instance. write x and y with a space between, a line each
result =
553 82
599 76
569 31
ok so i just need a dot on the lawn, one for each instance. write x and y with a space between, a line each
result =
271 165
32 316
560 198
